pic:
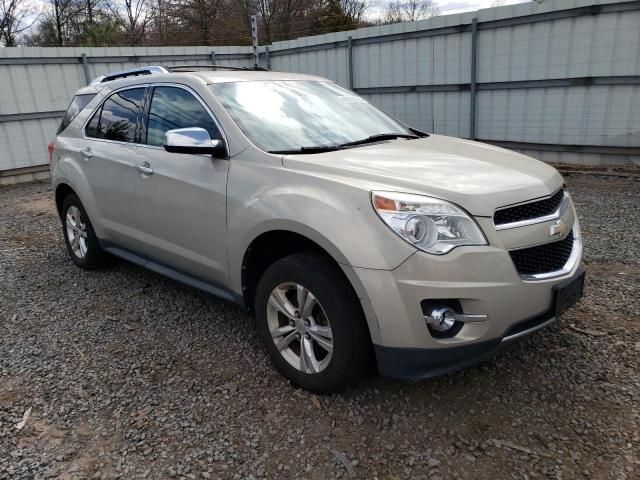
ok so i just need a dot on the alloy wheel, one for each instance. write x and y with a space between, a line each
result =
300 328
76 232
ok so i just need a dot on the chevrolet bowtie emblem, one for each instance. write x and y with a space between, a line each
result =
558 228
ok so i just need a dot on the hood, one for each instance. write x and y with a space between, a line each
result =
476 176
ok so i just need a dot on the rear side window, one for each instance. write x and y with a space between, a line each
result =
117 119
77 104
172 108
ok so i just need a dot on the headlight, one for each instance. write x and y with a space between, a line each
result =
430 224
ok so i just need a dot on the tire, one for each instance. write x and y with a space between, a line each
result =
330 303
82 243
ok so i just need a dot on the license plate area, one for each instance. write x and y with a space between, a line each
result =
568 293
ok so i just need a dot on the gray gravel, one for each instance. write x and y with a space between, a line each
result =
130 375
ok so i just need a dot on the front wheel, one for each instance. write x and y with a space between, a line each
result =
311 323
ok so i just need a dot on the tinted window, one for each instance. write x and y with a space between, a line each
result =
176 108
118 117
77 104
92 127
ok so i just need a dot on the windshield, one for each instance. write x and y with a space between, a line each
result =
294 115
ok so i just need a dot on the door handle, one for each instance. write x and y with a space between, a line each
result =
86 153
144 168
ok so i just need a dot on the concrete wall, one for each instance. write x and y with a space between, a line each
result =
559 80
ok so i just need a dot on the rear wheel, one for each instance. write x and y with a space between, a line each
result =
79 236
311 323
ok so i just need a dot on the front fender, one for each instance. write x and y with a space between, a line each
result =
336 215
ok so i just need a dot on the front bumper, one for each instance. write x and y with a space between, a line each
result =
418 363
484 282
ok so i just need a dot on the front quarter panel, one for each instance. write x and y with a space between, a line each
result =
264 196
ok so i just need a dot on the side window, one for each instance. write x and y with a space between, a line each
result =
92 127
173 107
118 117
77 104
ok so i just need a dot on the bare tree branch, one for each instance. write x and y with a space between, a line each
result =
410 10
133 16
16 16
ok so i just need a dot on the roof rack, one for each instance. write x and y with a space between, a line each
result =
150 70
190 68
131 72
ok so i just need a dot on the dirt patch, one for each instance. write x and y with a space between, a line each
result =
38 206
12 391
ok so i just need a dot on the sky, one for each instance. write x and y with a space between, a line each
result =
457 6
450 6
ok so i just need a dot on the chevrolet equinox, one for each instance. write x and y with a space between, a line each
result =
353 238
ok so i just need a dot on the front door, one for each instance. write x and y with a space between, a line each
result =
181 198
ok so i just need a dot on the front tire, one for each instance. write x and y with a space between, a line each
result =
79 236
311 323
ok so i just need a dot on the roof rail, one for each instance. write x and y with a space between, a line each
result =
190 68
134 72
131 72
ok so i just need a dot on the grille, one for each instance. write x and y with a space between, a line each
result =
529 210
543 258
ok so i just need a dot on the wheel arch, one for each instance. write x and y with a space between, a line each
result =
279 240
267 248
272 245
62 191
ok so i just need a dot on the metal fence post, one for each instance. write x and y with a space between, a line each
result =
474 77
213 57
267 57
350 62
254 38
85 66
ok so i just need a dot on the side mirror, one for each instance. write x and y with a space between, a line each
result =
194 141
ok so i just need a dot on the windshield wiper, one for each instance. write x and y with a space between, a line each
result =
330 148
378 138
303 150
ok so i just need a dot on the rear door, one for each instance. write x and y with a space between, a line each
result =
109 163
181 198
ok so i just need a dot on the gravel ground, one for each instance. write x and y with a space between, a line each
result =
129 375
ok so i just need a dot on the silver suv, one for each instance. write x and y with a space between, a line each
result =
355 239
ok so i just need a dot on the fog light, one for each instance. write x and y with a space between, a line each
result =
441 319
444 318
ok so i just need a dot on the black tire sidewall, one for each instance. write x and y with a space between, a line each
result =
321 277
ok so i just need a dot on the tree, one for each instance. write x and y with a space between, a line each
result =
410 11
201 14
287 19
280 18
75 22
16 16
132 16
355 9
333 18
64 13
100 30
190 22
